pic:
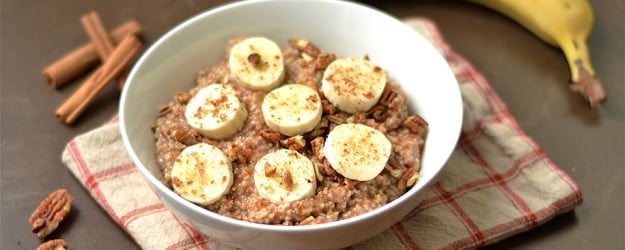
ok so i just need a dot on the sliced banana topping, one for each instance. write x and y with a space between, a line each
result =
357 151
257 63
353 84
202 174
284 176
292 109
216 111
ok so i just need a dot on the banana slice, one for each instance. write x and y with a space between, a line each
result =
292 109
216 111
284 176
357 151
257 63
353 84
202 174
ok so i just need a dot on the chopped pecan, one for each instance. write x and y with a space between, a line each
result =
270 136
317 147
328 170
305 46
323 60
164 110
270 170
336 119
327 107
51 212
350 183
56 244
182 97
395 168
387 96
294 142
236 153
360 117
208 76
184 137
407 179
287 179
415 124
254 59
317 166
319 130
412 179
378 112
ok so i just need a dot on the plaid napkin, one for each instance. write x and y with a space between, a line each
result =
497 183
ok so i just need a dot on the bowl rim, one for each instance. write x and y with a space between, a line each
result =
157 184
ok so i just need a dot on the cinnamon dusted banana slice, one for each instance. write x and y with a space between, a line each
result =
357 151
292 109
284 176
257 63
216 111
353 84
202 174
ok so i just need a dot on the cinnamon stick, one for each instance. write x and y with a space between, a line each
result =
97 33
122 55
79 60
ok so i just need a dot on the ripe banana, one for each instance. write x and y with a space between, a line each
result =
202 174
216 111
292 109
257 63
284 176
353 84
357 151
561 23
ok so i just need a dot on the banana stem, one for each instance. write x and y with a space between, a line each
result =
582 73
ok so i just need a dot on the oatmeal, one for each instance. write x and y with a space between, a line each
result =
326 194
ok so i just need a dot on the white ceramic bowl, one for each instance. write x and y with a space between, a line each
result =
345 28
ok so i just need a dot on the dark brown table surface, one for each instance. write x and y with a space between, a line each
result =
529 75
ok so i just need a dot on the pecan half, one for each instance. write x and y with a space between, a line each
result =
51 212
56 244
415 124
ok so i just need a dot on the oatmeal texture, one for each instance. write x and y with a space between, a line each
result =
336 197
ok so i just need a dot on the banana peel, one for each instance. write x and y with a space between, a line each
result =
562 23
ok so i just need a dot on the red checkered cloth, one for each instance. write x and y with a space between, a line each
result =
497 183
